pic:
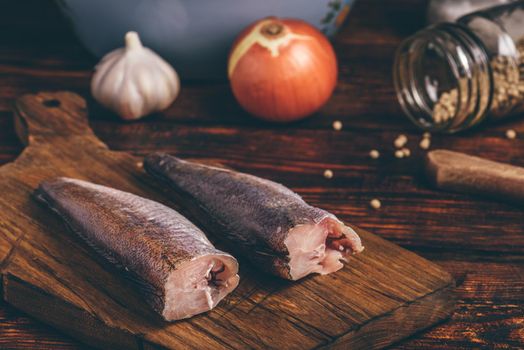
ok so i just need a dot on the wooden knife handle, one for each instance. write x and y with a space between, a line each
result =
460 172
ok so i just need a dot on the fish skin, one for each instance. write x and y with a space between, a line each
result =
255 215
145 239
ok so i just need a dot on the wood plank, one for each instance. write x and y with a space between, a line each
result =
20 331
33 35
490 308
379 289
53 310
299 157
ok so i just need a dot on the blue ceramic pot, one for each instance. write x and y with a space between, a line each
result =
195 36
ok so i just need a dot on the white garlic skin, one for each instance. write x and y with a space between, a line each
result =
134 81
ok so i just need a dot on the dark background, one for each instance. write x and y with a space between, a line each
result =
479 241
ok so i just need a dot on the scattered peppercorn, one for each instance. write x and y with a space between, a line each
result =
425 143
511 134
375 204
328 174
399 154
400 141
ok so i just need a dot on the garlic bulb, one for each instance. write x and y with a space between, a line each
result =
134 81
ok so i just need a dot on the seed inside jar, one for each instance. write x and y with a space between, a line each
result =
446 107
507 81
508 90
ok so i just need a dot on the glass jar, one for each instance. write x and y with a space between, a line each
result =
451 76
451 10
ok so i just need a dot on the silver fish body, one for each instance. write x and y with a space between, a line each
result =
264 221
179 272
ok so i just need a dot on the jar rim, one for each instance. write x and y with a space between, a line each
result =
460 96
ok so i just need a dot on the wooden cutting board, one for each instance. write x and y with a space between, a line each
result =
381 296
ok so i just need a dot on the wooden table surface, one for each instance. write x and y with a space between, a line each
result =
480 242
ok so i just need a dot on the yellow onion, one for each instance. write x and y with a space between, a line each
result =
282 69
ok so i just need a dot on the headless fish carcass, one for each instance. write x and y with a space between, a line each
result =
265 221
178 271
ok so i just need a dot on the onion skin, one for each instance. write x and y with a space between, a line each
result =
282 69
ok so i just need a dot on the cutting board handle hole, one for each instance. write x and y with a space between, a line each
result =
53 103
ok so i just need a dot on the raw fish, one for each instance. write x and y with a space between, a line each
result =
264 221
179 272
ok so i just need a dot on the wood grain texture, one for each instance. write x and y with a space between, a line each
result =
384 294
478 240
464 173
